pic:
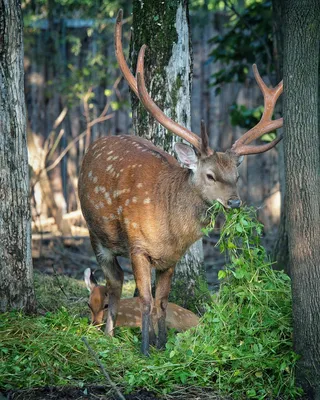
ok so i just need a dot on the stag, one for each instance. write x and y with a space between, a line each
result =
139 202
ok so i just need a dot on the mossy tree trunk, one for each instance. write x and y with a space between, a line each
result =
164 27
16 278
302 171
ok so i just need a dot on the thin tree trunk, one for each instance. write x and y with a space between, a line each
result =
302 166
164 27
16 278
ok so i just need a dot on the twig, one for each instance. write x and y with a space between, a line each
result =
60 118
56 276
74 141
105 373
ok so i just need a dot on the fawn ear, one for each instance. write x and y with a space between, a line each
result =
186 155
89 279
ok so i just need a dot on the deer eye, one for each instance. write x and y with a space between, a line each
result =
211 177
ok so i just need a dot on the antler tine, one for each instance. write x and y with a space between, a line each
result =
205 149
120 57
155 111
265 125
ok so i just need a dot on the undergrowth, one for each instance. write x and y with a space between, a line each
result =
243 345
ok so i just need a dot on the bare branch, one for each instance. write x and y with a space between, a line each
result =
105 373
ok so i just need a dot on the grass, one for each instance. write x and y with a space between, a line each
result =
242 347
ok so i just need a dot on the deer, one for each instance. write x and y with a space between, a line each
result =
140 203
129 314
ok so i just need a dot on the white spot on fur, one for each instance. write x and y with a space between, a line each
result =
135 225
95 180
109 167
147 200
107 195
109 201
97 156
90 174
139 185
126 221
119 210
110 152
134 199
127 202
109 158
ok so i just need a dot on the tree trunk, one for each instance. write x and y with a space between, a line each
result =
281 251
302 166
16 278
164 27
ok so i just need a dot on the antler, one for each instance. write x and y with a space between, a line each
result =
141 91
120 57
265 125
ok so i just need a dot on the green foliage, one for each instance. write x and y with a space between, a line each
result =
247 118
248 40
243 345
79 62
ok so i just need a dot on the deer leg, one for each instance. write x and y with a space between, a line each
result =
142 275
114 281
163 285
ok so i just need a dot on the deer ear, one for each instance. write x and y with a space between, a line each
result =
89 280
186 155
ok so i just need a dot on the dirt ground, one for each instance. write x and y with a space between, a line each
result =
101 393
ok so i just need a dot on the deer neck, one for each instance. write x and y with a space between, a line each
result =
185 207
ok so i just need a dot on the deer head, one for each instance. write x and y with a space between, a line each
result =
214 173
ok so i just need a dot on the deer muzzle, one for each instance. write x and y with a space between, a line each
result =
234 203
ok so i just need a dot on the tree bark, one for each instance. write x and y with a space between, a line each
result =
302 166
16 277
280 251
164 27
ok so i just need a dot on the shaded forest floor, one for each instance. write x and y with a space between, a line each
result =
70 256
103 393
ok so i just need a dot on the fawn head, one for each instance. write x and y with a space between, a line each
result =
98 300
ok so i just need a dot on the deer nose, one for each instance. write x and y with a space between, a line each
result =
234 203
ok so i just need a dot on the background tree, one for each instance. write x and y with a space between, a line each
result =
16 278
164 27
302 166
